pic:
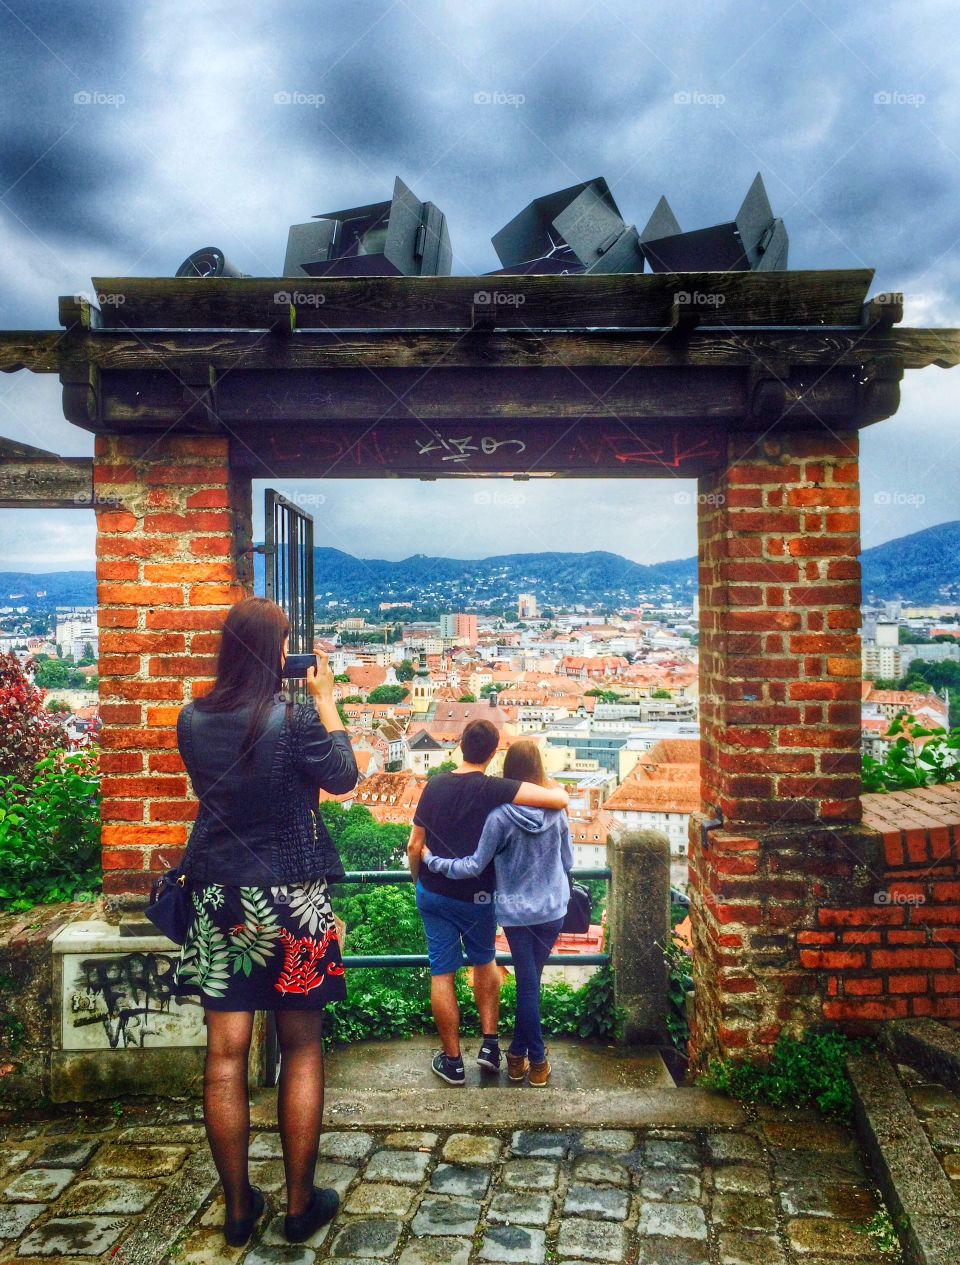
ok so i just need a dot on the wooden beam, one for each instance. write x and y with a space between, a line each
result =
155 399
466 449
817 297
190 353
49 483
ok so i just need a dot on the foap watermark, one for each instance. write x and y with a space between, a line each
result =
299 298
312 99
498 298
307 499
699 298
501 499
699 498
696 97
114 99
515 99
914 99
912 499
104 298
887 897
483 898
96 500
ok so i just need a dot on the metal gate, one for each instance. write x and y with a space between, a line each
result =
288 565
288 581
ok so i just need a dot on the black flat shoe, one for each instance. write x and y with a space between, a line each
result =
238 1232
322 1208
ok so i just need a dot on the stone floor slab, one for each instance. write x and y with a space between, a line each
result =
436 1251
441 1215
602 1140
606 1169
457 1179
403 1140
828 1237
750 1249
542 1144
118 1159
515 1244
672 1220
603 1202
749 1212
667 1251
828 1199
14 1218
288 1254
591 1241
531 1174
662 1183
372 1239
72 1236
749 1178
379 1199
120 1195
347 1147
670 1153
730 1147
406 1167
38 1184
68 1154
520 1208
472 1148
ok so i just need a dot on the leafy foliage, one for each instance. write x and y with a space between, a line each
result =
28 732
910 763
445 766
679 981
50 833
388 694
799 1073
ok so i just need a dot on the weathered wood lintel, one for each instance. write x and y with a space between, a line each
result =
48 482
190 352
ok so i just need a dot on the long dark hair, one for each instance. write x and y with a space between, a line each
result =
524 762
248 664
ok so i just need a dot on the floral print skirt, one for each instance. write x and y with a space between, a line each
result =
261 948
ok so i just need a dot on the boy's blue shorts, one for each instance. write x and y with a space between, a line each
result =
448 922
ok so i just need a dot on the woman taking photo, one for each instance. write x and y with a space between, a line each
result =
532 856
262 934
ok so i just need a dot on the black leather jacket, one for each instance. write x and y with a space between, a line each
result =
258 823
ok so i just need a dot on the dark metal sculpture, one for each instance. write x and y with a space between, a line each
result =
402 237
754 241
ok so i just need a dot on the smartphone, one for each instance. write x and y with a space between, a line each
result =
296 665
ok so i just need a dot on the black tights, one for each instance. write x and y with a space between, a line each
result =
226 1106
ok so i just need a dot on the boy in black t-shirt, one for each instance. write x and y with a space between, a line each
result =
458 916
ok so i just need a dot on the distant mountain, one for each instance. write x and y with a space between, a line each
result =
921 567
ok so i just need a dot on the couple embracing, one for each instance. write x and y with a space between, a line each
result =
488 850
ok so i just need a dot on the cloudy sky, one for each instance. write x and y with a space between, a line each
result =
134 133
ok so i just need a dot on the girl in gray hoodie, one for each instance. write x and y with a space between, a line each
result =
533 857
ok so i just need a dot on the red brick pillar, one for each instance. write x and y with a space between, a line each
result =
780 717
169 566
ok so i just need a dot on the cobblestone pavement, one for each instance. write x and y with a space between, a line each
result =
780 1190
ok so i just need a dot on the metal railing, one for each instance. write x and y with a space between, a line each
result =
393 877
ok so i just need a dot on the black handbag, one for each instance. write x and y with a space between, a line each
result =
579 911
169 908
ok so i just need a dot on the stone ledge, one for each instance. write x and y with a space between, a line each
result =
929 1046
910 1177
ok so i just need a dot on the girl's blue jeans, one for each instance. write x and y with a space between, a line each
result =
530 947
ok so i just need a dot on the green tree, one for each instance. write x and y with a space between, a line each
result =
467 698
404 671
388 694
660 693
371 846
446 766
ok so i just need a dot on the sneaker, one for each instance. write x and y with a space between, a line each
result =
448 1069
540 1072
322 1208
517 1066
489 1055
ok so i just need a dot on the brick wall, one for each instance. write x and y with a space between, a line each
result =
827 926
170 522
779 614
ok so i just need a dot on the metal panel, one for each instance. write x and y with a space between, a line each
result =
288 549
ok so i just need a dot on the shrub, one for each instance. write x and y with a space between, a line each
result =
50 833
27 731
910 763
799 1073
679 980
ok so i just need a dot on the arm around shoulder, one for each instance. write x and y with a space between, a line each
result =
532 795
